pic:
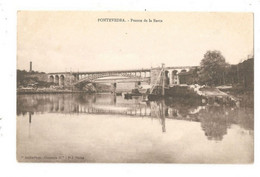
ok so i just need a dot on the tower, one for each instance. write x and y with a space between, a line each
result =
30 66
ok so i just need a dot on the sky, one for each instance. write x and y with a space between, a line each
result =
58 41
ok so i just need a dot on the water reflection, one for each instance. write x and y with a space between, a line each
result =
214 120
30 117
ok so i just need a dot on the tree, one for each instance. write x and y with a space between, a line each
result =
212 68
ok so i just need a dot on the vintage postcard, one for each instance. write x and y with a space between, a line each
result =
135 87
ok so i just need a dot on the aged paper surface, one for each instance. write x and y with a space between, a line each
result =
52 43
135 87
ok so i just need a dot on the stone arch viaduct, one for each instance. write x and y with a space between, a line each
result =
136 75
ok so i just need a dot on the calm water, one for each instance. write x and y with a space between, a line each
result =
105 128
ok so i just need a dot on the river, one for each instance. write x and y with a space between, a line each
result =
105 128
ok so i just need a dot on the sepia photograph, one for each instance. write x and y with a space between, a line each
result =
135 87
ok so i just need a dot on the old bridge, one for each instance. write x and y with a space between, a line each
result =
137 76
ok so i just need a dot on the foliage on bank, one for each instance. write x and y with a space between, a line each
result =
215 71
30 79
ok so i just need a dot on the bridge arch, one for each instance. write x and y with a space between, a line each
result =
62 79
98 76
51 79
56 80
175 77
167 78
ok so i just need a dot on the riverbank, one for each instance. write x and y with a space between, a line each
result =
245 96
202 94
190 93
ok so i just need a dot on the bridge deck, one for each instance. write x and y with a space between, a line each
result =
101 72
121 71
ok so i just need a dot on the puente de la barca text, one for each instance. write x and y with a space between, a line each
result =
138 76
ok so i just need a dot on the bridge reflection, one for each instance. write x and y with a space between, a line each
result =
214 120
102 104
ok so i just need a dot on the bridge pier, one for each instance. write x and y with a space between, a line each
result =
113 85
94 87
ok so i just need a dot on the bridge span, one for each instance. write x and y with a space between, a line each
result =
138 76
